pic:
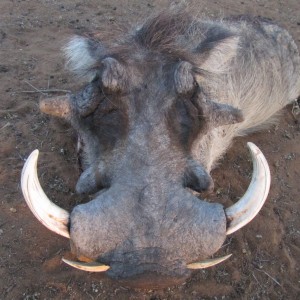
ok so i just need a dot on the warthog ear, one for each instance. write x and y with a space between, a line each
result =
82 55
83 103
184 79
113 76
217 50
60 106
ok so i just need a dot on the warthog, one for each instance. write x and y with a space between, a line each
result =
162 104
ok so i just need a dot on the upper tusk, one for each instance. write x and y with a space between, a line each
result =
242 212
207 263
49 214
90 266
57 106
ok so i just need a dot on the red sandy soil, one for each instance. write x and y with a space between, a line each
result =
265 260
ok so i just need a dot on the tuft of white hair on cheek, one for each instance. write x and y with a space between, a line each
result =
79 59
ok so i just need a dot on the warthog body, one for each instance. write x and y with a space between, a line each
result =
163 103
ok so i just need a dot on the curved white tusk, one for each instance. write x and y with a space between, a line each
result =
49 214
207 263
242 212
90 266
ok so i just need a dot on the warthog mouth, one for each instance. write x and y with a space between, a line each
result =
58 219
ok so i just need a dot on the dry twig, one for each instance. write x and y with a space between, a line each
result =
269 276
6 125
43 91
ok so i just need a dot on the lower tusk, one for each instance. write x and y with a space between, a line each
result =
90 266
207 263
242 212
49 214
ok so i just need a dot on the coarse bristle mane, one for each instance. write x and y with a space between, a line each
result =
157 38
161 32
167 36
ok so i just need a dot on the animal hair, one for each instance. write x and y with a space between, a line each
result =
79 57
263 78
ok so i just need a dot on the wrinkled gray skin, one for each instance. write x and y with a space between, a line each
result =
163 103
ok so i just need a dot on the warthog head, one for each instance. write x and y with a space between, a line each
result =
137 119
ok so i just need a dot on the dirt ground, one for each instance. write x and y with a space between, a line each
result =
265 262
